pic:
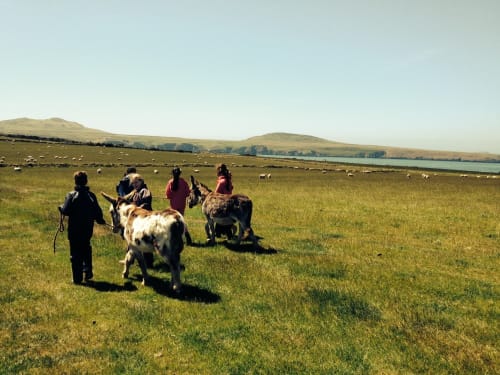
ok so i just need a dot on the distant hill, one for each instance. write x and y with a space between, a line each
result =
268 144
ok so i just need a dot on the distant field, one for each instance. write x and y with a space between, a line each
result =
376 273
267 144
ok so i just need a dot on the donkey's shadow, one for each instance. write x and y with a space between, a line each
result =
246 247
242 247
189 293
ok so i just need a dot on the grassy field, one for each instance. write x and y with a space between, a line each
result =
372 274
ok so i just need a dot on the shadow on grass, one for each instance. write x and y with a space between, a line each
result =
197 244
248 248
345 304
104 286
190 293
241 248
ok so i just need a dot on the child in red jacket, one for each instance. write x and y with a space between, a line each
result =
177 190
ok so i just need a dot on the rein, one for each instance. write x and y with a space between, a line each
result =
60 228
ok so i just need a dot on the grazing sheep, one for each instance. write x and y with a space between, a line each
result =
196 171
425 176
262 176
99 170
269 176
17 169
155 171
350 174
408 175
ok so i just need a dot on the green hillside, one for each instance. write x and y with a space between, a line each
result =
269 144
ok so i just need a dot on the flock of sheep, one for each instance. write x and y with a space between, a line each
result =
30 161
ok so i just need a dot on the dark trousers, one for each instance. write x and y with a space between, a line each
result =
80 253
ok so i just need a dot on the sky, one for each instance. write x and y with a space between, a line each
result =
420 74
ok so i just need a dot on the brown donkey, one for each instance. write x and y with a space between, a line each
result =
223 209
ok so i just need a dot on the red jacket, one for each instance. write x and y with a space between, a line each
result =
222 186
178 197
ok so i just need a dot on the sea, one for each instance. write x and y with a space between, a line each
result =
463 166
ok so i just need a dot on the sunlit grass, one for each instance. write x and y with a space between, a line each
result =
363 275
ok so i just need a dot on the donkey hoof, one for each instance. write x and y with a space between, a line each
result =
125 275
176 288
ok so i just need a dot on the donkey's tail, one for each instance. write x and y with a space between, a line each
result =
176 232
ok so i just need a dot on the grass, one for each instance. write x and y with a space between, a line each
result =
375 274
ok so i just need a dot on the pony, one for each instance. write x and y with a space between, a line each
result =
222 209
148 231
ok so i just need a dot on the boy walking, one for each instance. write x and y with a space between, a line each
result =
82 208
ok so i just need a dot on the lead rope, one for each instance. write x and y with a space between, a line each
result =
59 229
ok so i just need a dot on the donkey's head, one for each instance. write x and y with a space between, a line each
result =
195 194
114 210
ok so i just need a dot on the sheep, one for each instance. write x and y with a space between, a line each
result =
425 176
99 170
17 169
155 171
262 176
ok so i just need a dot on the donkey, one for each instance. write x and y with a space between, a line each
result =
148 231
223 209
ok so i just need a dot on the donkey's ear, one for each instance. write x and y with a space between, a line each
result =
109 198
193 181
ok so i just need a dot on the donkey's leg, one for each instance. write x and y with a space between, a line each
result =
129 259
240 232
144 269
210 230
174 260
252 237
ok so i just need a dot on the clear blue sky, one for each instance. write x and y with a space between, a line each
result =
422 74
